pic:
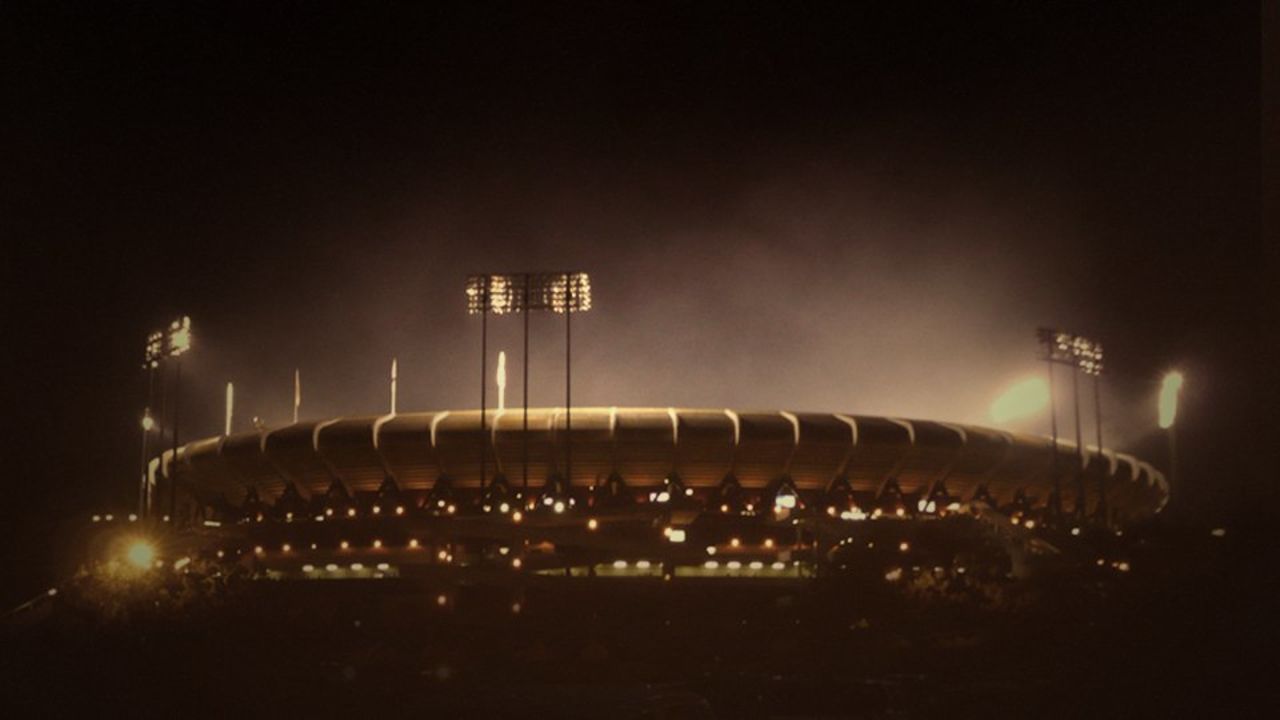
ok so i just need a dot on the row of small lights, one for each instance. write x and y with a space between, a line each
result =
783 504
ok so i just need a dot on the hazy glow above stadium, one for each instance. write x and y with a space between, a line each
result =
1023 399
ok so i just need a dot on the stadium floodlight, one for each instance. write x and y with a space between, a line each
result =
565 292
1087 354
154 351
178 337
504 293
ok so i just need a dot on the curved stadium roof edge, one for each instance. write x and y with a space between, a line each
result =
644 446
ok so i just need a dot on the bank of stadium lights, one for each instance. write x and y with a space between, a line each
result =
564 292
154 351
179 337
505 293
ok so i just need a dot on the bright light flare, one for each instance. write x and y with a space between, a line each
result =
1023 399
1169 390
141 554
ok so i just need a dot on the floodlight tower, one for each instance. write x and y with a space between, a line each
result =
1081 354
1088 354
1056 347
152 355
503 293
177 343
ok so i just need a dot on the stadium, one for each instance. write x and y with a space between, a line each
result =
667 486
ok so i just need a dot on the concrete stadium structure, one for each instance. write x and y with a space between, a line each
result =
642 449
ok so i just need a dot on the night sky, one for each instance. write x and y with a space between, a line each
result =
782 205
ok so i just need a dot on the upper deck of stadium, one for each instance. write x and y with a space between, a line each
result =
643 447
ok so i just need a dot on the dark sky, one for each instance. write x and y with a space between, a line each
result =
782 205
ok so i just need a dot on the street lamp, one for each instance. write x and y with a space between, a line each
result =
504 293
1170 389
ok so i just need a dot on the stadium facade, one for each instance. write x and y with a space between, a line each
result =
630 455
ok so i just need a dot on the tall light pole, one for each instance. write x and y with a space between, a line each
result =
503 293
152 356
1088 356
1081 459
177 343
1170 388
1055 351
1081 354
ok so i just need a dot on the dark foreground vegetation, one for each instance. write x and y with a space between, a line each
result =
1176 622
